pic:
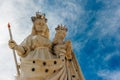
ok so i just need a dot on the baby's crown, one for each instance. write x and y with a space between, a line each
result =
61 27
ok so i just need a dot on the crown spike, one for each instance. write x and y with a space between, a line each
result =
39 15
61 27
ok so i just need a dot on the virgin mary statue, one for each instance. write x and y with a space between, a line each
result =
42 59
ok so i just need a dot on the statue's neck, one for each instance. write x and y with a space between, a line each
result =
40 33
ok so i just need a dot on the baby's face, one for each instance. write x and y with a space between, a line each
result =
61 34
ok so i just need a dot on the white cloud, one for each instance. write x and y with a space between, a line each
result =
109 56
109 75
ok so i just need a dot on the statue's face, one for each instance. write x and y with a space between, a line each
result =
40 25
61 34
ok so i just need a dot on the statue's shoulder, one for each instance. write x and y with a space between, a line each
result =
28 38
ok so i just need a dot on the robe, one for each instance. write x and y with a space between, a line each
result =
40 64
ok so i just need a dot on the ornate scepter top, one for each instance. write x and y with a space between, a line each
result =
8 25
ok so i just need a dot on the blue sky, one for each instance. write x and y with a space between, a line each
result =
93 27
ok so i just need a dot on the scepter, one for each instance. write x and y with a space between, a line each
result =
15 59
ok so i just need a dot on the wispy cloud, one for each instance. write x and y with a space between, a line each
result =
109 75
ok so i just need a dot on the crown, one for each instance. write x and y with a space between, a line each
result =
61 27
39 15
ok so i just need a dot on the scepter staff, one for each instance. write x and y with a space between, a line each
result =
15 59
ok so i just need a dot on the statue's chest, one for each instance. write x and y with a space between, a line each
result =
39 41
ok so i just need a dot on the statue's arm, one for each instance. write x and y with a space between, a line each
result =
68 49
22 50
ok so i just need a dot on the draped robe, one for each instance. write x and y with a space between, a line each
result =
38 63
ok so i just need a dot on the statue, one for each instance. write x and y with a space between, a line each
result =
41 59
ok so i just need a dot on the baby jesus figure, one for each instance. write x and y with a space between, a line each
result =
61 47
63 50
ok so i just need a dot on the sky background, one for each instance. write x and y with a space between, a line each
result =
93 27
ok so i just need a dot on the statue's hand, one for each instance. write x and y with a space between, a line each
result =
12 44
